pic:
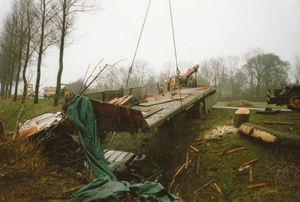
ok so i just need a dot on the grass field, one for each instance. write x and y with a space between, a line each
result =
11 111
41 177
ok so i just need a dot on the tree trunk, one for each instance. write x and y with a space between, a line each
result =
269 135
61 52
241 116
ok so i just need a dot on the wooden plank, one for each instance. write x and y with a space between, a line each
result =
153 111
147 111
156 101
180 96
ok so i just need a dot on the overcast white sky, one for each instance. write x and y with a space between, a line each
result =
203 29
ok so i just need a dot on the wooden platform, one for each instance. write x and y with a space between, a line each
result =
152 111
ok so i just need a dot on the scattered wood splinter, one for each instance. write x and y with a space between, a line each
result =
179 170
202 187
250 186
199 143
186 160
233 150
249 162
194 149
218 188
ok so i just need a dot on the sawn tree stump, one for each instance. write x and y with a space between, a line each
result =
241 116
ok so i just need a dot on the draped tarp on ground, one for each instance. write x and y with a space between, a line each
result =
105 185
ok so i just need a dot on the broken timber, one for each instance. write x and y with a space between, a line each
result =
269 135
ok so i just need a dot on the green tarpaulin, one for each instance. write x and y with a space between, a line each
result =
105 186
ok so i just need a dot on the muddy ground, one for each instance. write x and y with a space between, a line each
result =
54 171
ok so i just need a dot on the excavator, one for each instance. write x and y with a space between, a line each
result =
184 80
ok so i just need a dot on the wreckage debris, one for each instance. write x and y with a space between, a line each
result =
37 124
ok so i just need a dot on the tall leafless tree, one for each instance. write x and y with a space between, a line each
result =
30 33
65 22
233 64
46 11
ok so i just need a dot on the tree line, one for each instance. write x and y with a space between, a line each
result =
33 26
236 77
29 30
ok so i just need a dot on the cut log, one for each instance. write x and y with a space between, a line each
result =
241 116
269 135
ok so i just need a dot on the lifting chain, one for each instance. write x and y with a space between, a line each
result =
130 70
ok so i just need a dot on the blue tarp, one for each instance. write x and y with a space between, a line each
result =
105 186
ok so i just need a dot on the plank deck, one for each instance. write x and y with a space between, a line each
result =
154 111
171 105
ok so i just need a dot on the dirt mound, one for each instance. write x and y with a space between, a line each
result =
240 103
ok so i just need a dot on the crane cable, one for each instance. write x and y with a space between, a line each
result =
174 43
130 70
175 52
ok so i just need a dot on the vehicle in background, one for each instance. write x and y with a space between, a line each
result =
65 91
39 124
289 95
49 92
30 90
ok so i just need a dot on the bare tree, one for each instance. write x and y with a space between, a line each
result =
297 69
140 74
250 72
206 73
17 44
232 64
240 85
45 10
219 70
8 55
30 33
165 74
5 58
19 20
65 22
